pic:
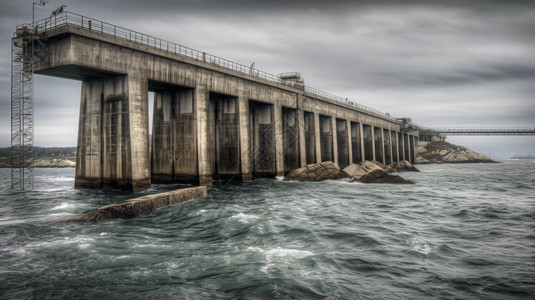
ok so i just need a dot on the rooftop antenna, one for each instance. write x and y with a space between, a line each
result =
41 3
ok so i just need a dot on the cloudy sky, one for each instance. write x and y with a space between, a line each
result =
446 64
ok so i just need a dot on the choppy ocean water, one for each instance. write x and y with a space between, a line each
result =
462 231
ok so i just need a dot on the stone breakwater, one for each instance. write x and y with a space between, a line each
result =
443 152
365 172
138 206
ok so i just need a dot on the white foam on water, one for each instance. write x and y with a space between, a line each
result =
244 218
63 205
279 256
63 179
279 178
420 246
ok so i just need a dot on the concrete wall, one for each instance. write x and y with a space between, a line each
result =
209 122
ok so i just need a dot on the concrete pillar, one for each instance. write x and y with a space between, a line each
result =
113 144
290 139
334 142
243 128
406 147
401 147
279 148
413 148
373 143
301 131
363 154
349 143
326 138
317 137
387 147
369 152
310 138
202 104
342 142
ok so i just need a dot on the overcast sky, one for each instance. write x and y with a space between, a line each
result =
446 64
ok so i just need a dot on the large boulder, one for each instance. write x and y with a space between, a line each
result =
405 166
316 172
372 172
381 176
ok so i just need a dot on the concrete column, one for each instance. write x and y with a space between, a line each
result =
310 138
162 139
363 155
301 131
334 140
243 131
113 139
202 102
317 137
349 142
279 148
373 141
290 139
383 145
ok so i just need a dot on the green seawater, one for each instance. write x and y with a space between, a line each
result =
460 232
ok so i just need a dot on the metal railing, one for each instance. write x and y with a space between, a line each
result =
73 19
477 131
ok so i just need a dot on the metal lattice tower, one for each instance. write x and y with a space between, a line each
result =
22 118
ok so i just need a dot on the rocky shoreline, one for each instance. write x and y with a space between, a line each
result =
440 152
364 172
46 162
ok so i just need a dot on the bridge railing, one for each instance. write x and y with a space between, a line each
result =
73 19
478 131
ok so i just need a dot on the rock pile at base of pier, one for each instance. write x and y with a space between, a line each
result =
439 152
138 206
366 172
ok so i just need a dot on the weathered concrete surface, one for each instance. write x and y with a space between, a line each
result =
442 152
138 206
205 128
316 172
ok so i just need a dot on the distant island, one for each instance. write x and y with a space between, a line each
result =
529 156
45 157
440 152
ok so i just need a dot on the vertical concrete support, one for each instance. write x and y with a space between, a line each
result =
326 137
406 148
413 148
395 147
349 143
387 147
113 149
361 129
317 137
279 147
342 142
262 139
301 131
374 153
310 137
243 127
401 148
369 150
290 139
162 155
379 145
202 117
356 142
334 141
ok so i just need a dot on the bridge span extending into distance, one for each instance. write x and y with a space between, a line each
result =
213 118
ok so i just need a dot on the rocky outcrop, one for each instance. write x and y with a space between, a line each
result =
54 162
316 172
367 172
443 152
138 206
373 172
405 166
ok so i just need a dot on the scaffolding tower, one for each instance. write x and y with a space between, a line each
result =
22 117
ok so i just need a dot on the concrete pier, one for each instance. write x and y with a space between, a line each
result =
209 122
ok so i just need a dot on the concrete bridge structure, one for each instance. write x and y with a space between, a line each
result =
212 118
